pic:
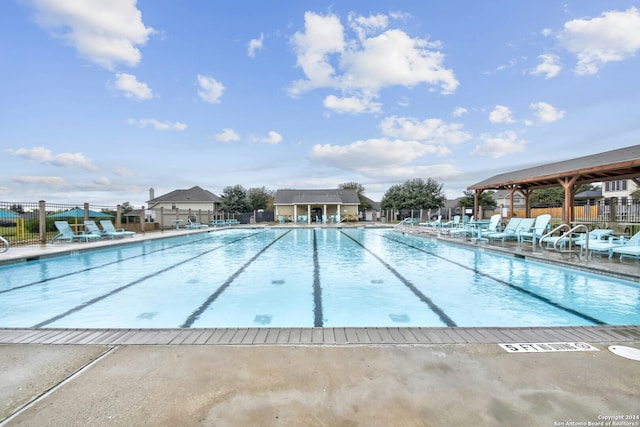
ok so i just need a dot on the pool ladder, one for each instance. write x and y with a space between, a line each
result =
567 238
5 242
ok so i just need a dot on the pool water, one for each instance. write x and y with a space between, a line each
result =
305 277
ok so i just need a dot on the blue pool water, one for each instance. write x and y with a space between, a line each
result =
302 278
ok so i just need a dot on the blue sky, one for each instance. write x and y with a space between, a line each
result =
102 100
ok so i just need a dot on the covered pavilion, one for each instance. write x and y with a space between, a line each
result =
623 163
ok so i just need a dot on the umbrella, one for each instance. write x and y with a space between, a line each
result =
78 213
8 214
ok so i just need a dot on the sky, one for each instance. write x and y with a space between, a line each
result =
102 100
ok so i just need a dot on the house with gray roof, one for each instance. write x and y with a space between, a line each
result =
179 205
307 206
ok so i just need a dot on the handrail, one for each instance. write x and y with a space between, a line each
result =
6 244
405 221
567 234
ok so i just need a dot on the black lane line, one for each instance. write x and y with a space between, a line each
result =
84 270
196 314
441 314
128 285
317 289
510 285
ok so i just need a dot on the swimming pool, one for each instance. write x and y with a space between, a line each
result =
305 277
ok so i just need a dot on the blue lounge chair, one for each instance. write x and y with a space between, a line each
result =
108 228
539 228
92 228
620 245
599 239
192 225
66 233
510 231
628 248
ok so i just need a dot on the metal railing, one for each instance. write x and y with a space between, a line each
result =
5 243
567 238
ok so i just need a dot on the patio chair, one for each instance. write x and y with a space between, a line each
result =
597 239
108 227
66 233
617 245
92 228
539 227
510 231
191 225
435 223
465 229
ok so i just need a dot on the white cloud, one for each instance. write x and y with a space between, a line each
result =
122 171
393 58
157 125
104 32
459 112
549 66
371 153
44 155
227 135
364 26
254 45
545 112
323 36
273 138
359 67
54 182
102 181
351 104
499 145
132 88
431 130
613 36
501 114
210 89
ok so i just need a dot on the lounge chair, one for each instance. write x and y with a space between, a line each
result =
510 231
191 225
597 238
91 227
447 226
66 233
628 247
612 245
108 228
492 227
435 223
539 228
464 229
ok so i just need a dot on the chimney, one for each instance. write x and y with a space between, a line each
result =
151 195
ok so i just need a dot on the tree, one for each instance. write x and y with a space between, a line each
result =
555 195
258 198
126 207
414 194
16 208
364 204
485 199
234 199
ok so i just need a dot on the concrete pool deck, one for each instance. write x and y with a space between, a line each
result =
314 376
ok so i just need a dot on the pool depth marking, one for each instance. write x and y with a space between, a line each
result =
128 285
84 270
504 282
196 314
441 314
317 288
